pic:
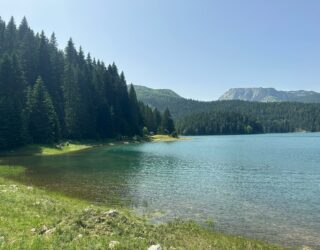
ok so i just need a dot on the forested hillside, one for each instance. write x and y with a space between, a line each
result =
47 94
218 123
193 116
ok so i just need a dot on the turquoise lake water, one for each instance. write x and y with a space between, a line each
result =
261 186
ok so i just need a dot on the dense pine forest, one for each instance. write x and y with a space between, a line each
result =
218 123
272 117
48 94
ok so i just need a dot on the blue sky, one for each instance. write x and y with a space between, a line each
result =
197 48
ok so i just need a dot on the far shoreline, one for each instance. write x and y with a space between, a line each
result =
66 147
70 146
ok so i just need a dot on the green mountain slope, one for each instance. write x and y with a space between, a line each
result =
156 97
145 92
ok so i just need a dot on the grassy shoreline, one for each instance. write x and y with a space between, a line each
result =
32 218
47 150
167 138
75 146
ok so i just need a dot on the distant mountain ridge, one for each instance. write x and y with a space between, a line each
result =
270 95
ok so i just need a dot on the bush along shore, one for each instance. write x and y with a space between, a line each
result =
32 218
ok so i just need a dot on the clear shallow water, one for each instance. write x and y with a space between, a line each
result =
261 186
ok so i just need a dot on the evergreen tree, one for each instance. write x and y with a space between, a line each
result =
43 122
102 86
151 118
57 74
135 115
88 102
12 101
72 102
28 51
2 36
167 122
45 62
121 114
11 36
157 119
23 29
71 53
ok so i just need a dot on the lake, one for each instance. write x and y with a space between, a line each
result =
261 186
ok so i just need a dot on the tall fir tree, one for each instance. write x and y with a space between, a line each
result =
23 29
28 51
43 123
11 36
135 119
12 100
57 73
167 122
72 103
2 36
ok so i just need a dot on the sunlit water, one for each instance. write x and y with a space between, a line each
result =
261 186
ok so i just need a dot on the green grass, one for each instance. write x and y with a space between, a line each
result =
65 148
69 147
44 150
166 138
77 224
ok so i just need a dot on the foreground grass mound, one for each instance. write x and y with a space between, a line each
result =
31 218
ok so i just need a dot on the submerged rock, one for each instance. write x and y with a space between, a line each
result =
113 244
155 247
